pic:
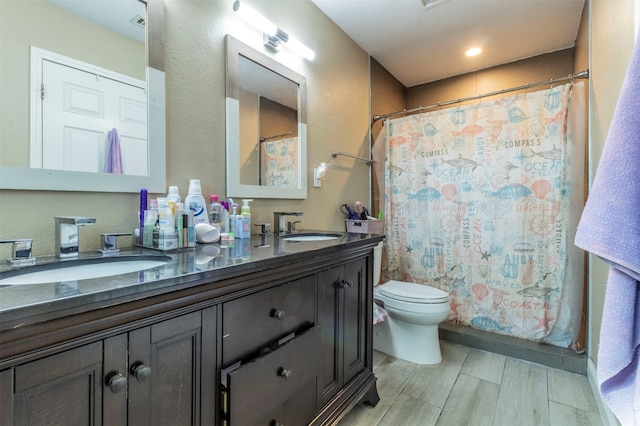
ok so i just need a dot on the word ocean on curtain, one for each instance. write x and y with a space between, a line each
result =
478 197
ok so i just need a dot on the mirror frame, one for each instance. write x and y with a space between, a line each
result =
25 178
235 49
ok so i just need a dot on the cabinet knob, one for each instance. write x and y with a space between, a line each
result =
276 423
117 383
344 284
141 371
285 374
278 314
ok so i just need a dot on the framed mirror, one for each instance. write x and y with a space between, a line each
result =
266 126
46 32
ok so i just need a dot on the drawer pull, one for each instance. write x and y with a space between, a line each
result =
117 383
278 314
285 374
141 371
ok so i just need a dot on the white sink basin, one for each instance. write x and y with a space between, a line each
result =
311 237
83 270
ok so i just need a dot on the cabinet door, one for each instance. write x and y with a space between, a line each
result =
65 388
353 320
168 372
329 320
341 316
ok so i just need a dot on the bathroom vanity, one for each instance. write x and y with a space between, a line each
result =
268 332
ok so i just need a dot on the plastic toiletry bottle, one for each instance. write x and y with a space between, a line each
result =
224 218
215 211
179 226
173 197
235 220
165 215
195 202
191 233
245 211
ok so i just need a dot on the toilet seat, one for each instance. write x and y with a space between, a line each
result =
412 293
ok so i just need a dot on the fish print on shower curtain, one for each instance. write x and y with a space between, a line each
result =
477 197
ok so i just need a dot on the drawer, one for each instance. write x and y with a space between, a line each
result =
251 322
267 387
299 409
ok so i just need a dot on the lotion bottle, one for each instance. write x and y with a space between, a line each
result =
195 202
245 211
173 197
235 220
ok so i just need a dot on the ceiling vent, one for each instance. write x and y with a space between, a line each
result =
138 20
431 3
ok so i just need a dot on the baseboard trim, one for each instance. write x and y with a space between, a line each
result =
606 415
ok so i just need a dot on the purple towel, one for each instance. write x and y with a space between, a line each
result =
113 162
610 229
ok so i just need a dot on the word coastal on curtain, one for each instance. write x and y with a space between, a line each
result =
479 199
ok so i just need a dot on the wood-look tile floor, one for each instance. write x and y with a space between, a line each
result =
473 387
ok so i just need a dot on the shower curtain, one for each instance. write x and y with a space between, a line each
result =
483 202
279 162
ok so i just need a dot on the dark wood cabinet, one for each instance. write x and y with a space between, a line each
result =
342 303
153 375
169 370
65 388
286 344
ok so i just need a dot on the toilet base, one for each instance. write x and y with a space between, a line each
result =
418 343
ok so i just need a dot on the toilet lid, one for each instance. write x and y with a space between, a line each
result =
411 292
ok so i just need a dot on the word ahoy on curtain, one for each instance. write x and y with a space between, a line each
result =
478 197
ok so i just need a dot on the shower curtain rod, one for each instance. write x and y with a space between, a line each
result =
581 74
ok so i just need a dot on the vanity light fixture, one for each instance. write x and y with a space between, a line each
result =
274 37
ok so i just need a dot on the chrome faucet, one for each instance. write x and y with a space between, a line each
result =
278 220
20 252
67 242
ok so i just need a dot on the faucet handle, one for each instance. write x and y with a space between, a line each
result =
20 252
264 228
291 226
108 243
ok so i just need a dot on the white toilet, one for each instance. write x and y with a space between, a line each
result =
410 331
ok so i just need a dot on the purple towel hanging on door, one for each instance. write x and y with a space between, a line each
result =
113 161
610 229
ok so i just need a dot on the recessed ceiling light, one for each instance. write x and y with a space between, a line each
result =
474 51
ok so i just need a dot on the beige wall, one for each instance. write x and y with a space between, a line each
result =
337 111
612 39
387 96
514 74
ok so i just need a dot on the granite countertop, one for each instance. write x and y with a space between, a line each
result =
190 267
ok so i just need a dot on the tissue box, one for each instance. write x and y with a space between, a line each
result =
365 226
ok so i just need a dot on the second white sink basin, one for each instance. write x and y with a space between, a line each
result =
82 270
312 237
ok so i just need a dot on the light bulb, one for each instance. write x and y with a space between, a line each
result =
254 18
